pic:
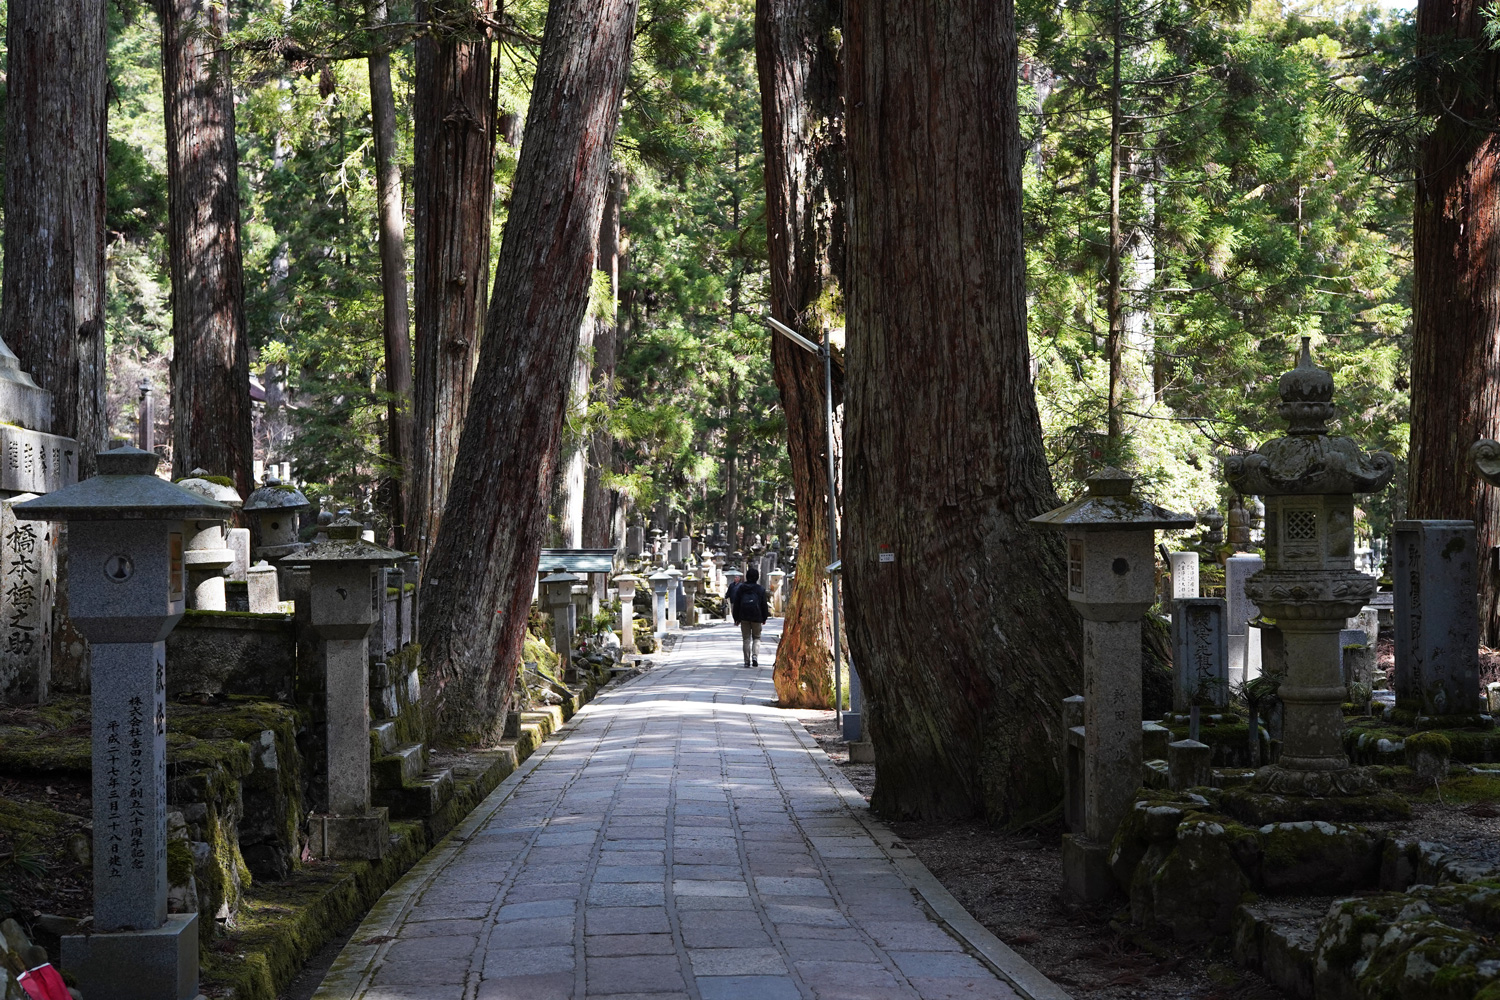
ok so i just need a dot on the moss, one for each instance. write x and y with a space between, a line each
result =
28 819
1466 788
179 862
197 615
216 480
1434 743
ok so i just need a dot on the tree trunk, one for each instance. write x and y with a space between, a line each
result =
52 302
598 500
801 115
732 466
477 589
1456 300
398 381
210 353
1116 337
453 192
964 638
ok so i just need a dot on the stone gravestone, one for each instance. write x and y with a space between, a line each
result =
28 590
32 462
1200 652
126 585
1184 575
635 541
1244 642
1437 619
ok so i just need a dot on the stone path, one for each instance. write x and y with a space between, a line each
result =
680 840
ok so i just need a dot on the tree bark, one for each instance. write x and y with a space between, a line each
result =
965 640
732 465
598 500
1115 339
453 193
477 589
52 300
1455 363
801 126
398 378
210 352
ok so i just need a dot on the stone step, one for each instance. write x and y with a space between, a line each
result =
403 767
383 735
419 799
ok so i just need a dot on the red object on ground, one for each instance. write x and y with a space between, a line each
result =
44 983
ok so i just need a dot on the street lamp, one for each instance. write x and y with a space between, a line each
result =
825 351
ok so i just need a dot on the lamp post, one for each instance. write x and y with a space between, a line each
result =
126 587
1110 537
825 351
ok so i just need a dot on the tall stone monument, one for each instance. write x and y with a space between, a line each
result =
1110 537
126 586
32 462
1310 587
1437 623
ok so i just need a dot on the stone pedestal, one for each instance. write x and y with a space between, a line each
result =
208 556
239 544
1189 765
690 594
261 580
156 964
626 585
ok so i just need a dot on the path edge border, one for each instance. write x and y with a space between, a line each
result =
348 980
1009 965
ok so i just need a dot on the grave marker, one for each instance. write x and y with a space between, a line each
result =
1200 652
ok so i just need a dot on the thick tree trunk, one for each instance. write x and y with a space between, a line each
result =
210 353
477 588
599 500
52 303
1115 340
1456 300
453 192
964 638
732 466
398 380
801 124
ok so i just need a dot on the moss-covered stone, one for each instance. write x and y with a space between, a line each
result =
1194 891
1318 857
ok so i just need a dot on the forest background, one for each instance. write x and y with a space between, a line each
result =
1246 220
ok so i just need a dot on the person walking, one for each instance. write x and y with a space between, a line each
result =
751 607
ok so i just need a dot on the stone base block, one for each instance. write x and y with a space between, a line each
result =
862 753
1189 765
350 837
1257 808
1086 873
27 405
136 965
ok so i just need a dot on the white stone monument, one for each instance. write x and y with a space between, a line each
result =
626 584
208 554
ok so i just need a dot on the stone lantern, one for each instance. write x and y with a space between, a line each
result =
1110 536
661 585
626 585
342 589
674 597
1309 584
690 594
718 561
778 599
126 586
208 554
557 598
273 510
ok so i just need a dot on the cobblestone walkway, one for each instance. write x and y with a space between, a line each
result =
683 840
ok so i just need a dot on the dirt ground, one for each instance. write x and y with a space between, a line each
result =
1010 882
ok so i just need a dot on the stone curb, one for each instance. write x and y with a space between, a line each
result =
350 974
995 953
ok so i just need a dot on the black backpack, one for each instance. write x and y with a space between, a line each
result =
747 603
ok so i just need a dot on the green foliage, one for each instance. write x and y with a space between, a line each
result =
1247 224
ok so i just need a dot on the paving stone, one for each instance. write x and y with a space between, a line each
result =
685 782
748 988
633 974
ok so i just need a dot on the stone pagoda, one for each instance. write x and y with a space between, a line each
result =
1309 587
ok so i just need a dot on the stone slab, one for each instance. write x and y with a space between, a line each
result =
159 964
1200 653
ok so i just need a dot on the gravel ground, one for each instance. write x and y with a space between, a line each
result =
1010 882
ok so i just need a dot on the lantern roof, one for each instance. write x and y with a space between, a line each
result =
217 488
1308 460
1109 504
344 545
124 489
275 495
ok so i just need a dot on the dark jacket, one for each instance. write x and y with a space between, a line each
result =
761 607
